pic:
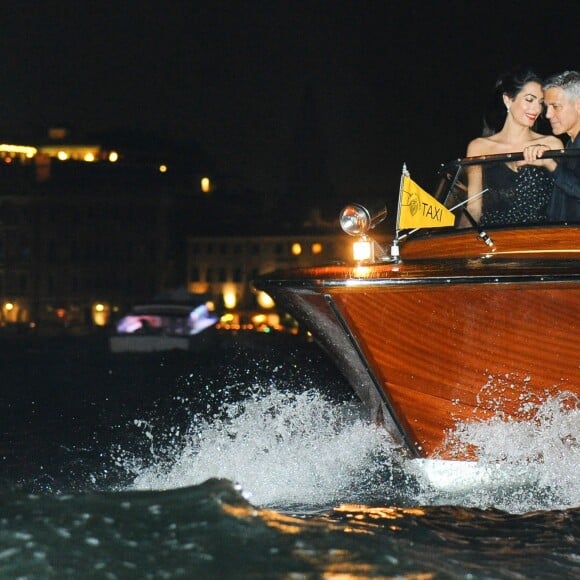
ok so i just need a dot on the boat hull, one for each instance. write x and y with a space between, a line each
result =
430 344
484 350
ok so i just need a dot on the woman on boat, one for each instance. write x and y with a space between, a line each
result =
515 195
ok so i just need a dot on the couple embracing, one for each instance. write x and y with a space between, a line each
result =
545 189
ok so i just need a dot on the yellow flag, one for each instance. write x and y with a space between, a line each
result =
418 209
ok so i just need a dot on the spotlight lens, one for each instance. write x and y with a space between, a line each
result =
357 219
354 220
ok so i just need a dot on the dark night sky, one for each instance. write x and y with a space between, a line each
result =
393 81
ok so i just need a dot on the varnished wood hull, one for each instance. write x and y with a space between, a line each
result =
427 343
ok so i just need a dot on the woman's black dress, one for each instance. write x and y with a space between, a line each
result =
515 197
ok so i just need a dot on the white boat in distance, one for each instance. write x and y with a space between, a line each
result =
165 324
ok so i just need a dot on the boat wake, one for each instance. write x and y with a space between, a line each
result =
283 448
303 452
521 465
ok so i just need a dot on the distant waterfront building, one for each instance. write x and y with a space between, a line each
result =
87 230
225 266
90 228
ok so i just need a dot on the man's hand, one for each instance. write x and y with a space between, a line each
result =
533 156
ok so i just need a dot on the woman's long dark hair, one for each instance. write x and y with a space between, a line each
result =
509 84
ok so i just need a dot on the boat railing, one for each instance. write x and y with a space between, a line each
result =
504 158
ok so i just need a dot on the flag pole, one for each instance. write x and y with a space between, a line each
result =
404 173
395 244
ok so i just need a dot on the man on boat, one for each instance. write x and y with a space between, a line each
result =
562 102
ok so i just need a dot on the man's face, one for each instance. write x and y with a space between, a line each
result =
563 113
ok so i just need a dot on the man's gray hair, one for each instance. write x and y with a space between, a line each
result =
568 81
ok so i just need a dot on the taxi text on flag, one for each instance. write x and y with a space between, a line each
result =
418 209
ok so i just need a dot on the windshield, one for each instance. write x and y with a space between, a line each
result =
496 191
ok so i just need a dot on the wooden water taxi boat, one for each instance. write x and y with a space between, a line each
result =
449 324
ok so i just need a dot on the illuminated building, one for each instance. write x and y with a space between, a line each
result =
88 230
225 266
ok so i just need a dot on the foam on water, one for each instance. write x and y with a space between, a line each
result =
282 448
302 449
522 466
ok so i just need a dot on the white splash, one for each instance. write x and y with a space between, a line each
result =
301 449
281 448
522 466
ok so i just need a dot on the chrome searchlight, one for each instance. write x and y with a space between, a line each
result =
356 219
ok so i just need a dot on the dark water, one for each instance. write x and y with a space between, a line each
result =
254 460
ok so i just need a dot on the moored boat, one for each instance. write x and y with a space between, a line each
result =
175 322
447 324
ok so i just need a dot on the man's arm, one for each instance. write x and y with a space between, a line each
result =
567 179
